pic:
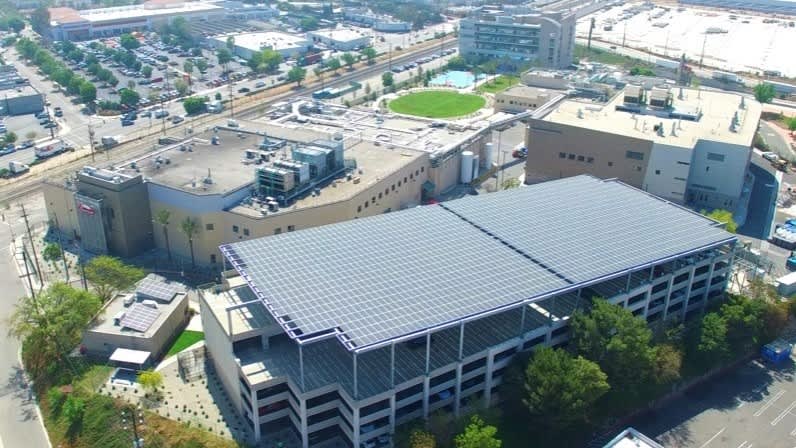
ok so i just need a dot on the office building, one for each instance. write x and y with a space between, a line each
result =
309 164
524 35
692 147
348 330
378 22
71 24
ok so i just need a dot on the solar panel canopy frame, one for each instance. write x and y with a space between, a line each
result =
380 278
139 317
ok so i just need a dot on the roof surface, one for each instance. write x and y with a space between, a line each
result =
380 278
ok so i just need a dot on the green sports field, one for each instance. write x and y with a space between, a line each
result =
437 104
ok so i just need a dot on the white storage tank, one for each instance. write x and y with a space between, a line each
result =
467 167
476 162
486 160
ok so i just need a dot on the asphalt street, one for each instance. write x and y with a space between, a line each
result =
19 422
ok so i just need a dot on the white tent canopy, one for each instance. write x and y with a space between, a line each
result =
125 355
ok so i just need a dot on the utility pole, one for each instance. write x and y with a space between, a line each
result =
591 28
52 133
702 57
27 271
91 139
389 55
32 245
624 35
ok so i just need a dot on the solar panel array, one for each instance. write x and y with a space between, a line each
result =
586 228
139 317
387 276
158 288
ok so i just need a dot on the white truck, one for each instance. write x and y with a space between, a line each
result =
49 149
109 142
17 168
727 77
215 107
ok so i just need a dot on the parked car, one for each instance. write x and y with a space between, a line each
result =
259 84
127 122
50 125
26 144
244 90
770 156
177 119
58 112
5 150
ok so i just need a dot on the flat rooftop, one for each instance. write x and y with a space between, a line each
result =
146 10
19 91
630 438
339 34
529 92
266 39
716 108
398 275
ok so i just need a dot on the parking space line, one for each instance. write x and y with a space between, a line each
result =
712 438
770 402
743 444
783 414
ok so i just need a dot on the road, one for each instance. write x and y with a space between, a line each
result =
19 423
144 141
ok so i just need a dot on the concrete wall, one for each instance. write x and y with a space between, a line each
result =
667 172
717 174
219 348
102 344
22 104
584 151
60 205
509 101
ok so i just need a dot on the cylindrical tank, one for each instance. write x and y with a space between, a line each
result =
467 167
486 160
476 163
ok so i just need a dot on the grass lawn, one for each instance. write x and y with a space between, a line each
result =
498 84
186 339
608 57
437 104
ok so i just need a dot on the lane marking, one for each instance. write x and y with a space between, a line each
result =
770 402
783 414
712 438
743 444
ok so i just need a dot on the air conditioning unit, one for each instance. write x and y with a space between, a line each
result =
117 319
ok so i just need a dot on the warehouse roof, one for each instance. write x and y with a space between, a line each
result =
393 276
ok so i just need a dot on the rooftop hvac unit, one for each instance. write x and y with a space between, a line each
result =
150 303
129 300
117 319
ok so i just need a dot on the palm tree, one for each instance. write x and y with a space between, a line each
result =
318 74
162 218
187 66
190 227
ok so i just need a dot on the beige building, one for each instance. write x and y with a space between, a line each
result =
308 168
147 319
687 146
521 98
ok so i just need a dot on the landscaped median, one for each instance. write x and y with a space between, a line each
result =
437 104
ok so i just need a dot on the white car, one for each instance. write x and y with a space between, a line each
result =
770 156
259 84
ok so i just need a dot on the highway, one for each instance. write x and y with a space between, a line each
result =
145 140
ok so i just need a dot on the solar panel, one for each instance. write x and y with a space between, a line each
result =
158 288
139 317
378 278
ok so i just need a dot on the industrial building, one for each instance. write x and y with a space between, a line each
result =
339 39
306 164
349 330
521 98
246 44
528 36
378 22
21 100
689 146
146 320
784 7
71 24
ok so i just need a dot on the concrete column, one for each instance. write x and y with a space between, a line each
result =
426 387
301 367
668 296
688 291
707 286
490 362
356 384
458 392
392 414
392 365
305 440
264 342
355 418
255 416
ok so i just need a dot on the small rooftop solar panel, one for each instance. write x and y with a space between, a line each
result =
139 317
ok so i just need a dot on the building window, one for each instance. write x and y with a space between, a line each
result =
359 208
291 228
235 229
392 187
610 163
399 183
209 226
386 191
380 195
581 158
373 200
634 155
417 172
422 169
405 180
245 231
213 258
571 157
366 204
562 155
411 176
590 160
680 179
658 172
277 231
707 168
715 157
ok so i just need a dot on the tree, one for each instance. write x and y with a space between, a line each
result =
150 380
51 324
309 23
743 318
712 339
333 64
457 63
55 400
88 93
194 105
224 57
201 65
318 72
16 24
348 59
478 434
668 361
40 19
267 60
387 79
296 74
187 66
775 318
370 54
422 439
128 42
73 410
75 55
561 389
162 217
146 71
190 228
108 276
724 217
129 97
231 43
616 340
10 137
31 135
764 92
641 71
791 122
181 86
511 183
